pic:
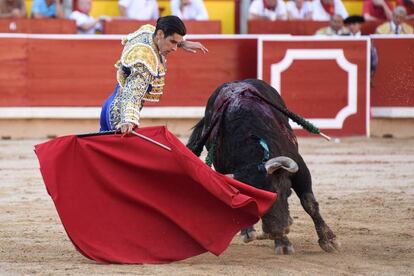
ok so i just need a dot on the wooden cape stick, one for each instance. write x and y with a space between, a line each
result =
133 132
151 140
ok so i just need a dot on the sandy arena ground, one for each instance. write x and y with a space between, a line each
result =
365 188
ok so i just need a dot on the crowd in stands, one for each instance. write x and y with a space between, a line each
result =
87 24
79 10
139 10
319 10
333 11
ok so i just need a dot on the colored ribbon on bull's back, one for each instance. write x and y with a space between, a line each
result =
126 200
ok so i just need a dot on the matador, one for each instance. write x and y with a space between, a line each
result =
141 71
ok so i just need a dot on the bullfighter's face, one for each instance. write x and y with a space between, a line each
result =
167 44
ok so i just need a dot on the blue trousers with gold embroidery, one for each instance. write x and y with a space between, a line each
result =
105 118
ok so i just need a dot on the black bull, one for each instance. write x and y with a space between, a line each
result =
252 140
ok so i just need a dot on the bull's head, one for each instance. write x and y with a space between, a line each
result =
259 175
277 219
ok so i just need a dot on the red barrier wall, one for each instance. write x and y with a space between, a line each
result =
80 72
301 27
393 82
38 26
53 72
307 27
324 81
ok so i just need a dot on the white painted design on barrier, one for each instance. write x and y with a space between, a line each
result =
322 54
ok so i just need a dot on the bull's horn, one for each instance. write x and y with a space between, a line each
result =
281 162
230 175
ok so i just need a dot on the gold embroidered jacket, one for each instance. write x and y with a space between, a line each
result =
141 72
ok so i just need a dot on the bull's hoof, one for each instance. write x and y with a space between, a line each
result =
249 236
284 250
283 247
330 246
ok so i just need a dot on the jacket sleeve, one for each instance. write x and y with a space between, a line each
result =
133 91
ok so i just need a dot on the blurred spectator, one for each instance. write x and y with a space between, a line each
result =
377 10
47 8
353 25
268 9
336 27
12 9
67 6
409 6
396 25
85 23
374 60
189 9
299 10
139 9
323 10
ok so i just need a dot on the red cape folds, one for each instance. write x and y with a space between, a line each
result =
126 200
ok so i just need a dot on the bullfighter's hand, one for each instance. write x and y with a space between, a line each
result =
127 127
193 46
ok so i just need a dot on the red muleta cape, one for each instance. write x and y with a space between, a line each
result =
127 200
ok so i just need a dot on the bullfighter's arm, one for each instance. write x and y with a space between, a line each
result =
136 85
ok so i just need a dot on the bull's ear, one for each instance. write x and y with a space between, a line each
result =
281 162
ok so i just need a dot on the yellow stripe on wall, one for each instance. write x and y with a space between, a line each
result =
223 11
354 7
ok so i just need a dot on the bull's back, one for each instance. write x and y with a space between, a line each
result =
247 125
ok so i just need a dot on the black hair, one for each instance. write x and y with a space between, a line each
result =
170 25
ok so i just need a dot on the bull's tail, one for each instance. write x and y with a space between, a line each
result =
296 118
194 143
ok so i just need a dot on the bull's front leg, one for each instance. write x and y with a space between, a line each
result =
327 239
275 226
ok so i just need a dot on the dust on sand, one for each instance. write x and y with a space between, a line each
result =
365 188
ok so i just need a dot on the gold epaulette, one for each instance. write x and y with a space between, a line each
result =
143 54
147 28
